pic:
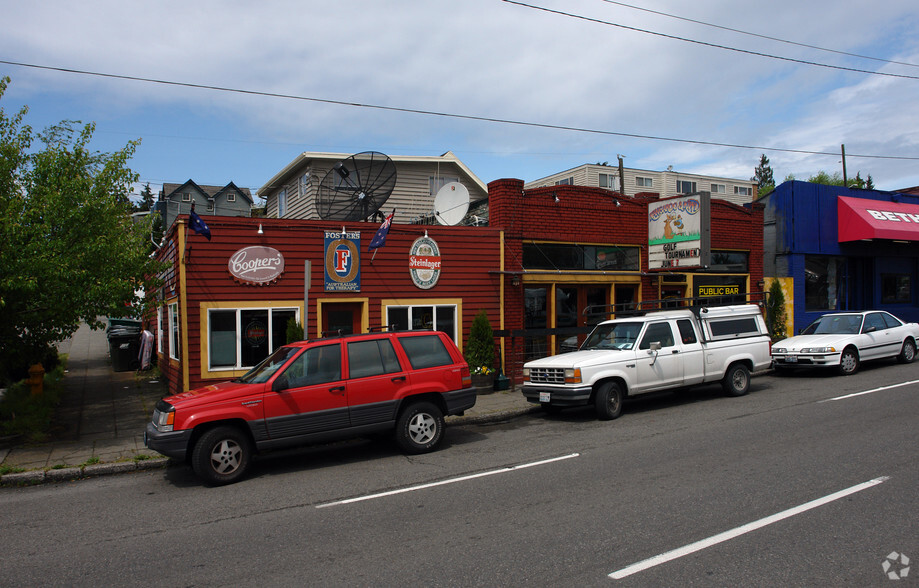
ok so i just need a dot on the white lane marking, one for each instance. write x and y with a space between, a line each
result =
736 532
911 382
448 481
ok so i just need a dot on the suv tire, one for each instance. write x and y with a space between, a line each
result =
420 427
608 401
221 456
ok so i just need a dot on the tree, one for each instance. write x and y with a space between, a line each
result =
70 251
823 177
775 311
146 198
762 175
480 349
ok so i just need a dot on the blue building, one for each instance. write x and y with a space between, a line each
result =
843 249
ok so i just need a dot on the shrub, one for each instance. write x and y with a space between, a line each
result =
294 331
480 349
775 311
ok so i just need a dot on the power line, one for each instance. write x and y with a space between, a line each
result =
446 114
707 44
767 37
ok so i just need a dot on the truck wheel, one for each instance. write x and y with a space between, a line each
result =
848 361
419 428
908 353
608 401
221 456
736 381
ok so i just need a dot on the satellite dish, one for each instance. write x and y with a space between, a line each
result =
451 203
356 188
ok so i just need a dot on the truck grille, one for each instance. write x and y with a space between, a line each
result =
547 375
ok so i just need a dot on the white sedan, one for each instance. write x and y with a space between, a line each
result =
843 340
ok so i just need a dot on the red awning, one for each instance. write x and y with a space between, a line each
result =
861 218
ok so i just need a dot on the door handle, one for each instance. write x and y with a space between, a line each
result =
399 379
337 390
675 351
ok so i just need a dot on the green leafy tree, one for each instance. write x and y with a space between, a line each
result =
146 198
823 177
763 176
480 349
775 311
70 250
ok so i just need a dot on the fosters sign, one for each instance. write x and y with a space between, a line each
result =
342 261
679 232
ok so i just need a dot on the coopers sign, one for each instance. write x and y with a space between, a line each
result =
257 265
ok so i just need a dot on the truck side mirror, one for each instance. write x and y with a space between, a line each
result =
655 346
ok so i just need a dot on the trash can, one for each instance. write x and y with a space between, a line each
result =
124 347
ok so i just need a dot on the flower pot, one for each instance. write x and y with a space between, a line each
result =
483 383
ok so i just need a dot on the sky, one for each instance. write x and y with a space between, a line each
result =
706 87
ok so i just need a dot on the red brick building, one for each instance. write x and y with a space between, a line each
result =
550 264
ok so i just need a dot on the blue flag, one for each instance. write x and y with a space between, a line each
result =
380 238
198 225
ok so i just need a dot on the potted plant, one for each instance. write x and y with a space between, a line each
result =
480 353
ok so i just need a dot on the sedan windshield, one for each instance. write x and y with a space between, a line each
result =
613 336
835 324
263 371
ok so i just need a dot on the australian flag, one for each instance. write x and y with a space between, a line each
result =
380 238
198 225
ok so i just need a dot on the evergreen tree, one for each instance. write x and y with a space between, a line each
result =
146 198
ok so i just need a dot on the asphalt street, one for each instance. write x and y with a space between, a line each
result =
799 483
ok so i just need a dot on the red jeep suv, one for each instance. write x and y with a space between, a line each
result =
315 391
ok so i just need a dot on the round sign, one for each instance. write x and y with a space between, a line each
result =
340 260
256 333
424 262
256 265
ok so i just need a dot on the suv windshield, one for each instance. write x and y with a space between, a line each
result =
263 371
835 324
613 336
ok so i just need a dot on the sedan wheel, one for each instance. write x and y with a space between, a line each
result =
908 353
848 362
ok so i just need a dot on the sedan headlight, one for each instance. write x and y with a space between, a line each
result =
164 418
778 350
819 350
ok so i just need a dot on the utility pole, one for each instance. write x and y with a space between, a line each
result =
845 180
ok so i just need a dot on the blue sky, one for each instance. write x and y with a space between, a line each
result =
481 58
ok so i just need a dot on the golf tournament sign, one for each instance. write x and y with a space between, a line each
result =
679 232
257 265
424 262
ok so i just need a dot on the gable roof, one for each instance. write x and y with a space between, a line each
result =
279 179
210 191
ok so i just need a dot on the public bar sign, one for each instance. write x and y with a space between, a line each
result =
257 265
679 232
424 263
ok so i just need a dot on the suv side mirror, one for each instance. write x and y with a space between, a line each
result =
280 383
655 346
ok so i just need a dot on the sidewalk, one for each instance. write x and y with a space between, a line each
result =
99 425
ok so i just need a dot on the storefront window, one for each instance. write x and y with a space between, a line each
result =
241 338
573 257
735 262
823 282
436 317
895 289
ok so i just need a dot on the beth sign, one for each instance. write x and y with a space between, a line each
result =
256 265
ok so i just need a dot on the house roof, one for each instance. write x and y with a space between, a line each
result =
209 191
279 178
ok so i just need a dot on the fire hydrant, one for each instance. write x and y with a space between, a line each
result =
37 378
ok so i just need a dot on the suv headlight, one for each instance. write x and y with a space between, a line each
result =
572 375
526 374
164 417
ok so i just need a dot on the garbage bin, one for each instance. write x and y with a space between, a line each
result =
124 347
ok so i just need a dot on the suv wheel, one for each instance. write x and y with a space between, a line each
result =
608 401
221 455
419 427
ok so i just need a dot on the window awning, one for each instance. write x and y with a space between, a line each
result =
861 218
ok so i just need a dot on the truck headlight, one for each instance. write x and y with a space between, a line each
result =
572 375
164 419
526 374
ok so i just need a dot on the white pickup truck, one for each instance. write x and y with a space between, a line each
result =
658 351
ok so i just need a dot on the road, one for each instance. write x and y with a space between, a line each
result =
785 486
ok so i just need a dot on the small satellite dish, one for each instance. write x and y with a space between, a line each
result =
451 203
355 188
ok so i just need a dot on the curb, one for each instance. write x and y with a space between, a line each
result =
73 474
33 477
